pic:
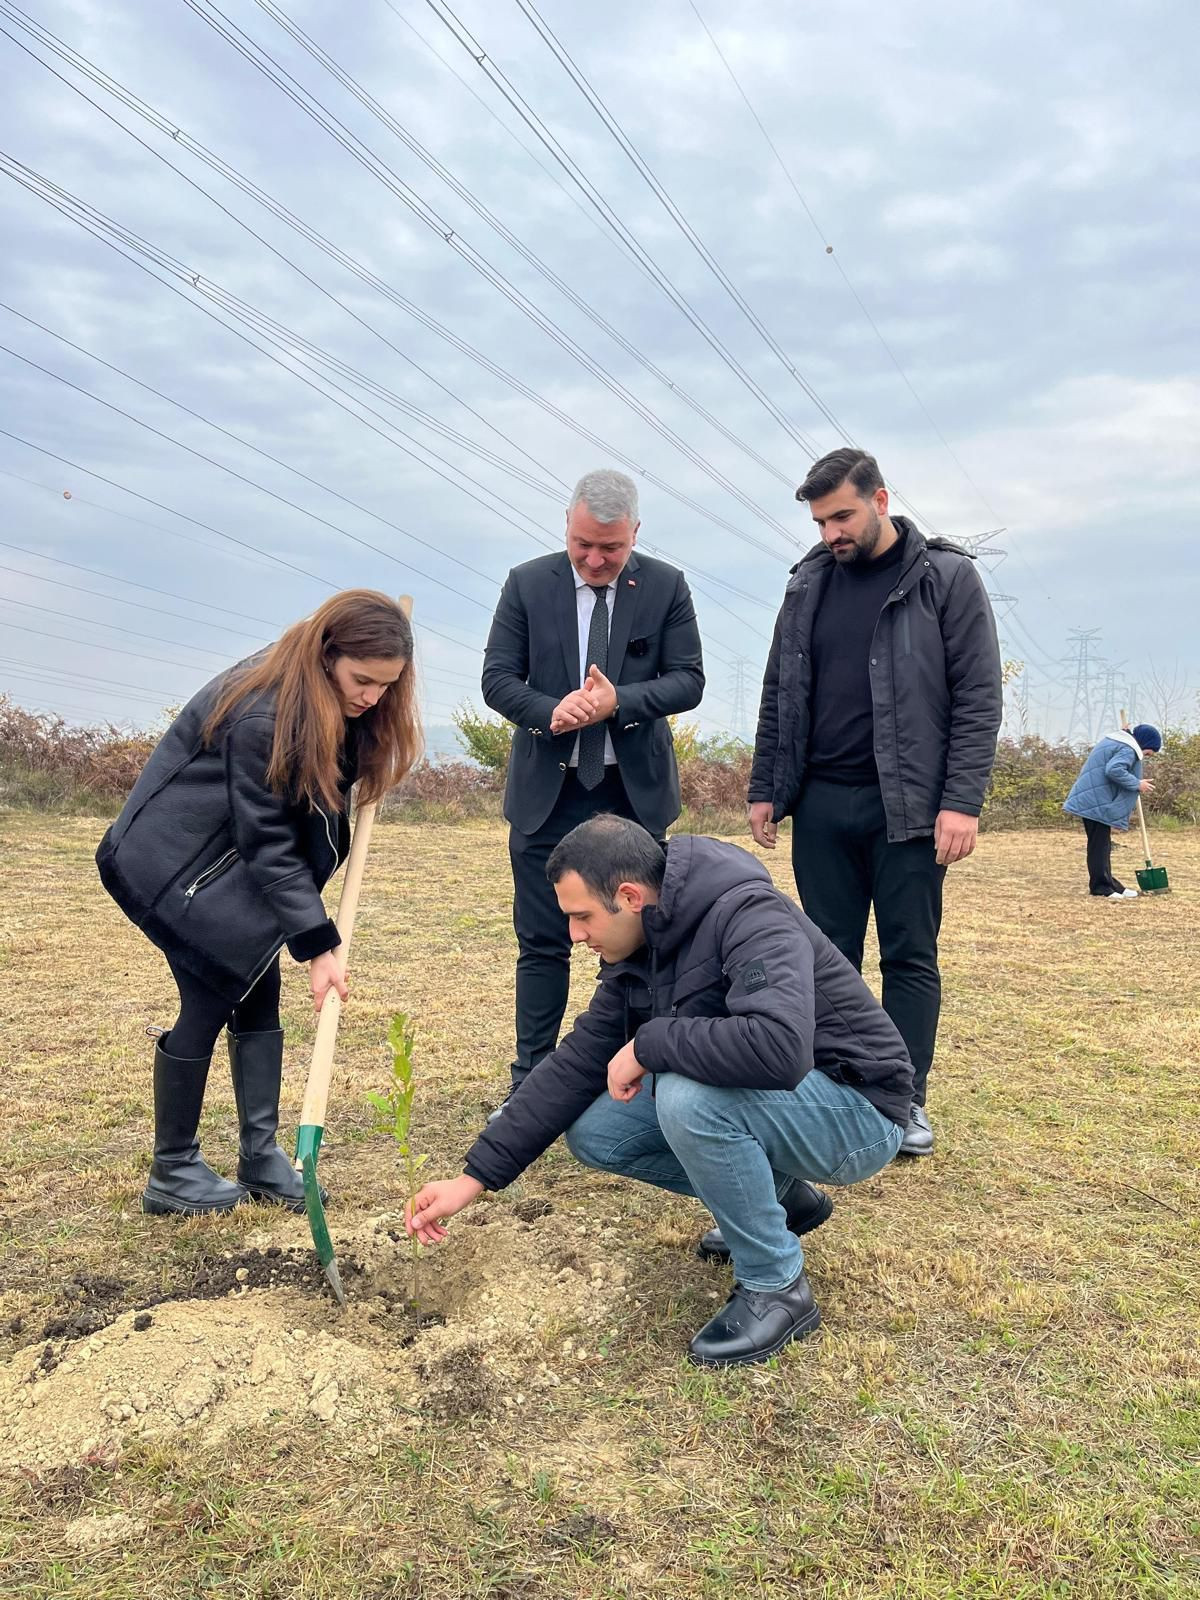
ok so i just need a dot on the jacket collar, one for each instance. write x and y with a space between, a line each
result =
1127 738
821 557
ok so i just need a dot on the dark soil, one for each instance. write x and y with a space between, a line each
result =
271 1268
93 1301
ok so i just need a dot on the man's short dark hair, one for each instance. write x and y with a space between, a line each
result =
837 468
607 851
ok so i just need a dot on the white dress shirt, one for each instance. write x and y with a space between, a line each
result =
584 605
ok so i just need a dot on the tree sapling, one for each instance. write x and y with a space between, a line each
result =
393 1114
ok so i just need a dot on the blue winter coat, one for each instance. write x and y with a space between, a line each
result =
1107 788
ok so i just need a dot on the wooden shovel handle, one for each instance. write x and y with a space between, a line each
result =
1145 835
316 1092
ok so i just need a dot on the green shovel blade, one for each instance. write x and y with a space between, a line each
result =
308 1145
1153 880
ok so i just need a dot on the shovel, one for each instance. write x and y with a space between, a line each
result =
1150 879
316 1092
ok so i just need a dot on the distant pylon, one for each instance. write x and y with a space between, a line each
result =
1079 725
741 716
1109 711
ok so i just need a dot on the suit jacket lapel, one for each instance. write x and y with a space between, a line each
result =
625 607
566 611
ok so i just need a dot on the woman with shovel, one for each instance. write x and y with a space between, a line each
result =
219 856
1105 794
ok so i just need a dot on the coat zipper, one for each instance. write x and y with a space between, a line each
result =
274 952
206 877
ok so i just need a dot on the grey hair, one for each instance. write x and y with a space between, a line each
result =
610 496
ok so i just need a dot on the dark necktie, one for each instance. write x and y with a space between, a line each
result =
591 740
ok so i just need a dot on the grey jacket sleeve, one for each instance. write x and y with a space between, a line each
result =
265 837
976 691
505 684
680 684
766 738
766 1041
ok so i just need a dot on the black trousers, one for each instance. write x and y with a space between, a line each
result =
844 865
1099 858
203 1013
544 962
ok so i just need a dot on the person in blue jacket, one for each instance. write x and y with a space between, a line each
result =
1104 795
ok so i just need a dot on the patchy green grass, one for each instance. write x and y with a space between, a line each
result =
1004 1402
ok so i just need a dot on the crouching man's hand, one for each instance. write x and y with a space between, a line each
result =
434 1204
625 1073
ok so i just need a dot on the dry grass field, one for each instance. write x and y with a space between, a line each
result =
1004 1400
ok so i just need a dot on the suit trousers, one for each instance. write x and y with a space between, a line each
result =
844 865
543 937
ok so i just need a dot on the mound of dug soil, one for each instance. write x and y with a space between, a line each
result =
254 1340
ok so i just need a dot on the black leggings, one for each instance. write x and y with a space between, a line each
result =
203 1013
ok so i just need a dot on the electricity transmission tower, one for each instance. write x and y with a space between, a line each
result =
1079 725
738 698
1109 710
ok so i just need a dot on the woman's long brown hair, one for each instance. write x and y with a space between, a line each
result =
310 728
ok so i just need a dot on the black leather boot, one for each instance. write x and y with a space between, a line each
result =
755 1324
806 1207
256 1062
180 1180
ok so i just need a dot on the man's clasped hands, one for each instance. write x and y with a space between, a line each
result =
595 702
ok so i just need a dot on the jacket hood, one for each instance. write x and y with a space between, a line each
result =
699 871
1121 737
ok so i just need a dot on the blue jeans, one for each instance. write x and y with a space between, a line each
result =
740 1151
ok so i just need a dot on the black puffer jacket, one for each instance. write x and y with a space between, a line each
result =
935 687
735 987
215 869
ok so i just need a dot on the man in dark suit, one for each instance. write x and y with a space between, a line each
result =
589 652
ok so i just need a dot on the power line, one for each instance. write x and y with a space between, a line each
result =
113 577
94 644
290 338
137 633
241 476
263 556
630 150
511 132
202 191
624 235
117 599
836 259
137 495
283 338
251 51
464 193
95 75
177 135
73 680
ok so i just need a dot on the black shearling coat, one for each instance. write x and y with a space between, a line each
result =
214 867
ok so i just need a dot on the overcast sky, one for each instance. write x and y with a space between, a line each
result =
1010 191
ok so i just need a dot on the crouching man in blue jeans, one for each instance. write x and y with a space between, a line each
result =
730 1052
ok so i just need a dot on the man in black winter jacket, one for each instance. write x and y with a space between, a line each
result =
876 734
729 1052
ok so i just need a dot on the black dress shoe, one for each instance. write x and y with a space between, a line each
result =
755 1324
807 1208
918 1136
